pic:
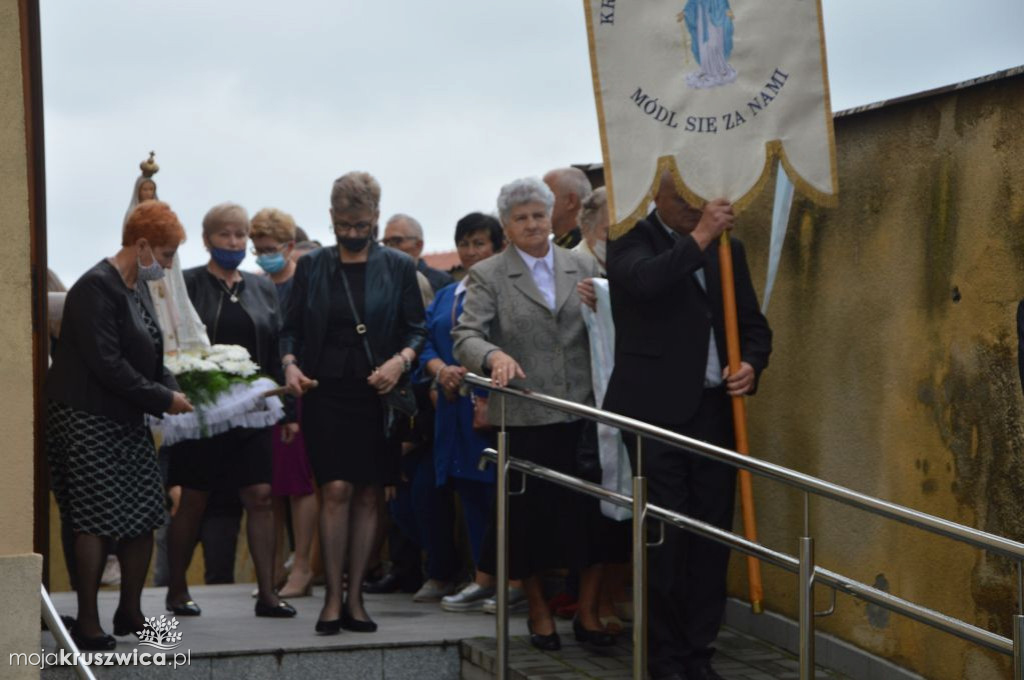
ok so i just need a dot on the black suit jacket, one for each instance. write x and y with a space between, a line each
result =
106 362
663 319
394 315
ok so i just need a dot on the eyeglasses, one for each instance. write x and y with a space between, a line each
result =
357 227
395 241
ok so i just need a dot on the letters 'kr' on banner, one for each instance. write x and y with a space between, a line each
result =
712 90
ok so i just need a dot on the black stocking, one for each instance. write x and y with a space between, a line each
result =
259 527
90 558
133 554
181 542
365 518
336 499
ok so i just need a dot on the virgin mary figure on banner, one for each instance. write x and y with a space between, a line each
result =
709 23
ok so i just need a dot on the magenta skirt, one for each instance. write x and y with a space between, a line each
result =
292 474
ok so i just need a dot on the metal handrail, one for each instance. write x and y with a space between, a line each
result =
60 634
779 559
804 566
980 539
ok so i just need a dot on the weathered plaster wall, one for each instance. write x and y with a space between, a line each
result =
895 368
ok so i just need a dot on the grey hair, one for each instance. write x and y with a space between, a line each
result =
592 207
225 213
417 228
573 180
355 191
521 191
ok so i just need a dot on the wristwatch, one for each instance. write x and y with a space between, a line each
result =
288 362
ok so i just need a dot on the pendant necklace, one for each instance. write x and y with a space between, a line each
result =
231 291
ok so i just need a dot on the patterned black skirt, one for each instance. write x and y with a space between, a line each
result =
103 473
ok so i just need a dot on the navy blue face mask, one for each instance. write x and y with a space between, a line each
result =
227 259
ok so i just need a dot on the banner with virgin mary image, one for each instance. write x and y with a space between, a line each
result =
713 91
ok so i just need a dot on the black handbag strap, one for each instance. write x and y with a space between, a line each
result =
360 326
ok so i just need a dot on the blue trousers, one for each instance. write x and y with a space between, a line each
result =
426 514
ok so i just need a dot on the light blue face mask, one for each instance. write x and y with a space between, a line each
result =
150 272
272 263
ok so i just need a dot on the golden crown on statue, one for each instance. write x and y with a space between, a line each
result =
149 166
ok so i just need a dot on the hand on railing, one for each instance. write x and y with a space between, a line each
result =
504 369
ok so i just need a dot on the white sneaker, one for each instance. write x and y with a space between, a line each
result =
470 598
433 591
516 602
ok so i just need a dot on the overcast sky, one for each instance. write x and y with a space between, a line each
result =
265 103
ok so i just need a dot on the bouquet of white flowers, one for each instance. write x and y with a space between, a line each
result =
224 386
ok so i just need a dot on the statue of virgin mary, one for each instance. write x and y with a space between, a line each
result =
180 323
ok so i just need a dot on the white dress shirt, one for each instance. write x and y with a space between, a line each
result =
543 271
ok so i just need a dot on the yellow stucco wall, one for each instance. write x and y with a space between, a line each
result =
16 416
895 368
19 569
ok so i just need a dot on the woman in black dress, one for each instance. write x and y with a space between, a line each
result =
107 374
237 308
345 421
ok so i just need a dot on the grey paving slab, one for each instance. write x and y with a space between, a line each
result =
413 641
228 624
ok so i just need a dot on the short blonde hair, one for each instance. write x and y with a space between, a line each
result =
592 207
225 213
355 191
274 223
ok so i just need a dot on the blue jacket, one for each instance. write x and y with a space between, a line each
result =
457 446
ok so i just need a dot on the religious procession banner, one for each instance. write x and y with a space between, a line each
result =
712 90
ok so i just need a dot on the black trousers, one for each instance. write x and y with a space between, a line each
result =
687 575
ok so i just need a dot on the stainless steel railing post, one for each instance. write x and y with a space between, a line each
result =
501 593
1018 626
639 567
806 608
1018 647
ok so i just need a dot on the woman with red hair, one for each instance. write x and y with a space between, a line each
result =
107 374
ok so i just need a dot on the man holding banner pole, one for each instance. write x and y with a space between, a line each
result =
671 370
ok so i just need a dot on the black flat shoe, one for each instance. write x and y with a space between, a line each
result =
100 643
332 627
186 608
282 610
545 643
597 638
124 626
388 583
348 622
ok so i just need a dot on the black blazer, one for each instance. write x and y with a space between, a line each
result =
663 318
257 297
106 362
394 315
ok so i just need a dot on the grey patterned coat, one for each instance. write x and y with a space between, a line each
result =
505 310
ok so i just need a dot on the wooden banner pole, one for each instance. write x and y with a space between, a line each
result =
739 418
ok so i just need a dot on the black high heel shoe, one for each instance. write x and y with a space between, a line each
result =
281 610
124 626
332 627
349 622
597 638
545 643
100 643
186 608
